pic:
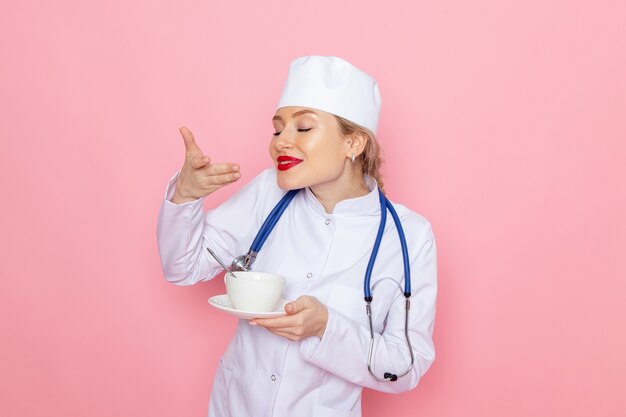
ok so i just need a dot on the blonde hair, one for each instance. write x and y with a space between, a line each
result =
371 159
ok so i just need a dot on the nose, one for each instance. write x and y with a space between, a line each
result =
284 140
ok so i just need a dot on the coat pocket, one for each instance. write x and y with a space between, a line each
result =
218 405
322 411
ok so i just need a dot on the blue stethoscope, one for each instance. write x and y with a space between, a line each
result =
244 263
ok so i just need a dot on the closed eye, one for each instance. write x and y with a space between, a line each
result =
299 130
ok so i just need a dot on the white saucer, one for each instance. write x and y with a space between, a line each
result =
222 302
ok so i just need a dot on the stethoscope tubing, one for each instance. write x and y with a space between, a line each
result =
271 220
405 250
385 204
367 289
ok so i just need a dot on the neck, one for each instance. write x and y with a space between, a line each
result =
343 188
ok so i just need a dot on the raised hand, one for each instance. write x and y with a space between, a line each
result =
198 177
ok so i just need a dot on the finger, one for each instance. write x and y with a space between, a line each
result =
284 322
213 181
288 332
224 168
212 188
199 161
294 307
303 302
190 142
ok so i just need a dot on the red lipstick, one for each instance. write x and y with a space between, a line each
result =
286 162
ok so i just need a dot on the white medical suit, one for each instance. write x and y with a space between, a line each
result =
322 255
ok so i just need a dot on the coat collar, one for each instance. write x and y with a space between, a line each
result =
367 205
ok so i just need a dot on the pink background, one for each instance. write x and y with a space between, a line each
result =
503 123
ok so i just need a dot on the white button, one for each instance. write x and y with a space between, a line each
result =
309 275
273 377
327 221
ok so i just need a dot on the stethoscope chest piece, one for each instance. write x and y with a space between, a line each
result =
243 262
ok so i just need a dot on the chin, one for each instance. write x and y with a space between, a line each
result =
288 185
285 183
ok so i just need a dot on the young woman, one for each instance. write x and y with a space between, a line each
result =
314 360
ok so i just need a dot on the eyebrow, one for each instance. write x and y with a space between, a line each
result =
296 114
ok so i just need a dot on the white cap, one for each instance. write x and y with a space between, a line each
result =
333 85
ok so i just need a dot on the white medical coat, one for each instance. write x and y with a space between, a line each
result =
322 255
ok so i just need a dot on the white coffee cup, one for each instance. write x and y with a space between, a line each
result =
254 291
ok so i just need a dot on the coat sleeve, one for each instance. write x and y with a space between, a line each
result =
184 231
343 349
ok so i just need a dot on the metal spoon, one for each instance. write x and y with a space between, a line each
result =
220 262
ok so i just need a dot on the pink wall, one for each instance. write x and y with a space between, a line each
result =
503 123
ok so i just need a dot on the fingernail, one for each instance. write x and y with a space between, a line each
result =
235 167
288 307
236 175
205 159
252 323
